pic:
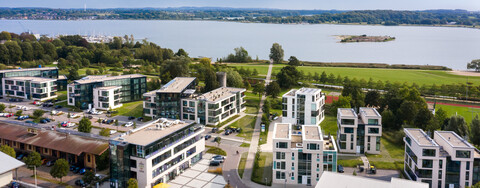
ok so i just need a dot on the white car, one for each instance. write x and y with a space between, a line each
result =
70 124
25 108
73 115
54 112
129 124
20 107
113 131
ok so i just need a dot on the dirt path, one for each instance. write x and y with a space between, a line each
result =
465 73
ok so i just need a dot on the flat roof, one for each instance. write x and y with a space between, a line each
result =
151 132
332 179
53 140
27 69
282 130
107 87
371 112
62 77
306 90
176 85
453 139
220 94
420 137
347 112
35 79
102 78
311 132
290 93
8 163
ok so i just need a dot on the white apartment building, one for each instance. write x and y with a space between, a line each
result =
105 98
445 161
301 156
215 106
359 133
304 106
155 153
32 88
332 180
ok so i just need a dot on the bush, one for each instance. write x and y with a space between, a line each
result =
19 113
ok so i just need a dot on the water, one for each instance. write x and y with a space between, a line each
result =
451 47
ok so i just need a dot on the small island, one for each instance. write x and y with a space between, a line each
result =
364 38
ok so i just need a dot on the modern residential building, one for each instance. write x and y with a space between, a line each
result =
32 88
165 102
447 160
78 150
330 179
8 167
304 106
105 98
46 72
155 153
215 106
80 92
359 133
301 156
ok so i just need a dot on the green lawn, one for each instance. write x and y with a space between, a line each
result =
227 121
420 77
247 124
264 169
329 125
349 161
391 153
252 103
467 112
245 145
131 109
215 150
263 136
62 95
241 164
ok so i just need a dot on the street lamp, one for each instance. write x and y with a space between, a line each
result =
265 182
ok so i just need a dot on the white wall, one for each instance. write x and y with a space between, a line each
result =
6 178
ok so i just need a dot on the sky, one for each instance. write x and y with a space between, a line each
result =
472 5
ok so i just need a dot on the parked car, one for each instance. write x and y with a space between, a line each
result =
80 183
14 185
25 108
67 124
73 115
131 118
21 156
58 107
43 121
218 158
44 161
110 121
83 171
207 137
216 138
140 119
214 130
50 163
275 118
72 167
129 124
31 122
340 169
113 131
76 170
214 163
228 131
90 117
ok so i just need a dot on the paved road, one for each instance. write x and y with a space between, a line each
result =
247 175
230 166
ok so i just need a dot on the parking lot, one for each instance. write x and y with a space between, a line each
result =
62 116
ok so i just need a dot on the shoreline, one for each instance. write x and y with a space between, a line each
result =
248 22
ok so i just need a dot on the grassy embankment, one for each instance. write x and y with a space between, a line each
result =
215 150
410 76
263 169
241 164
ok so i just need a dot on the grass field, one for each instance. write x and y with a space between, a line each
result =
329 125
420 77
62 95
131 109
264 169
391 154
241 164
215 150
466 112
247 124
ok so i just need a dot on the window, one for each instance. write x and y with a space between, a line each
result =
373 121
88 158
463 154
280 175
343 137
373 130
427 163
280 165
440 164
280 155
428 152
409 141
282 145
313 147
347 121
348 130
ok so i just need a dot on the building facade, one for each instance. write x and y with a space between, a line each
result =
80 92
445 161
105 98
9 166
32 88
215 106
165 102
304 106
359 133
46 72
301 156
155 153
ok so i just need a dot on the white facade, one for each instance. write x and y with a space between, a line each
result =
359 133
445 161
105 98
307 149
330 179
8 165
215 106
304 106
32 88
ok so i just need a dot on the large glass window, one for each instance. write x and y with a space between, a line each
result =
347 121
373 121
428 152
373 130
313 147
426 163
280 155
280 175
280 165
282 145
463 154
348 130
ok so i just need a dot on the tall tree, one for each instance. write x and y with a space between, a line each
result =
389 120
59 169
273 89
85 125
372 98
211 82
288 77
324 78
27 50
475 64
293 61
458 125
424 120
407 112
342 102
73 74
14 50
259 89
37 50
4 35
8 150
175 67
475 131
233 78
181 52
33 160
276 53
